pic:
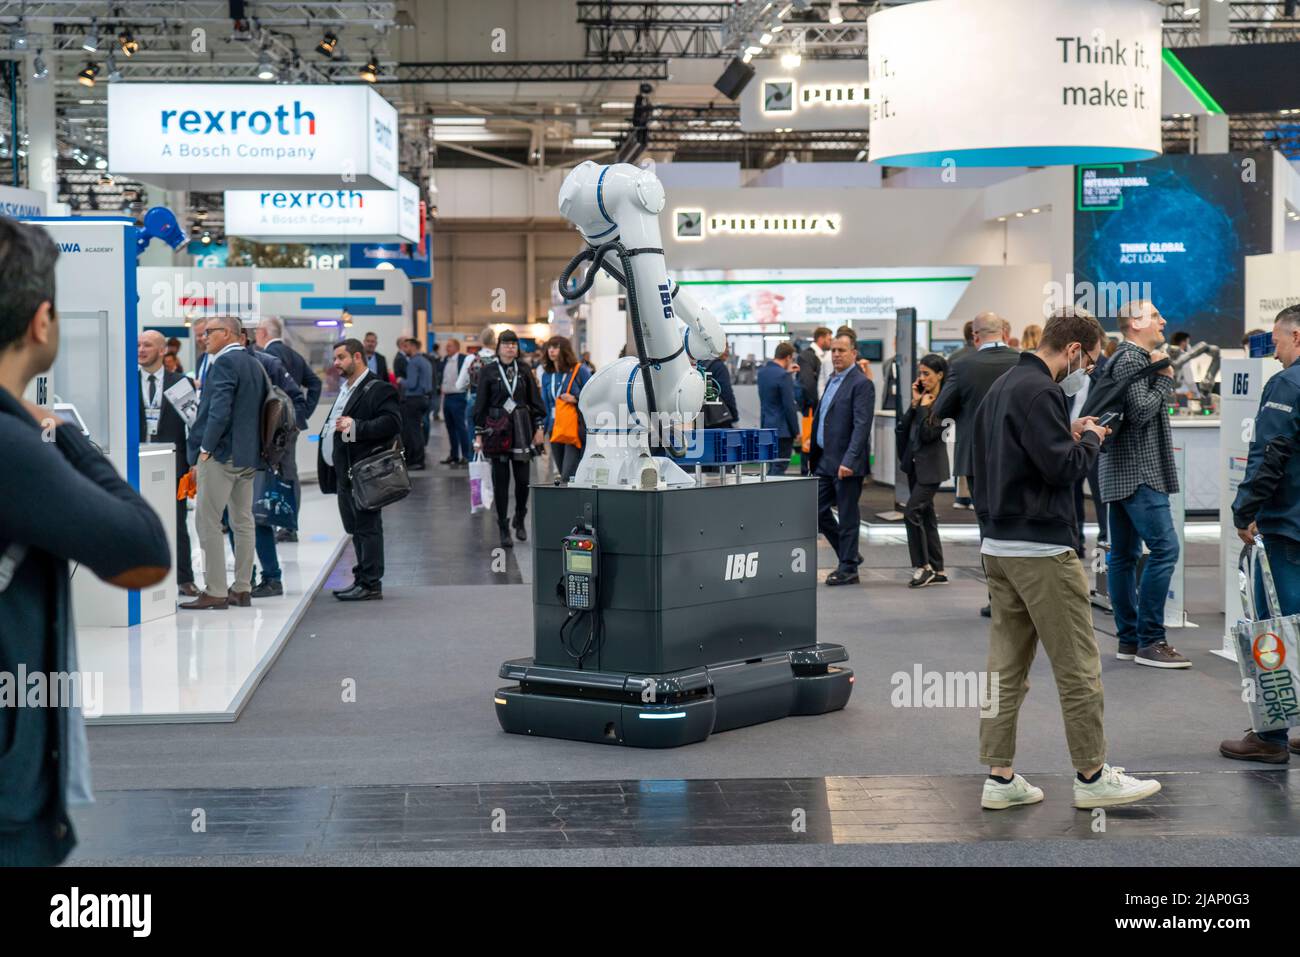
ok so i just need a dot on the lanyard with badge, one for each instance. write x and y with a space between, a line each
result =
153 405
510 403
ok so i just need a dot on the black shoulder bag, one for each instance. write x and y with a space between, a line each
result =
381 478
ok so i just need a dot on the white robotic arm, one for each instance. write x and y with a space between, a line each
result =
659 391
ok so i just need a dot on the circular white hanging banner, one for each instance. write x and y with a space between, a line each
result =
1015 82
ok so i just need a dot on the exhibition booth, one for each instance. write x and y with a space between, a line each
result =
281 150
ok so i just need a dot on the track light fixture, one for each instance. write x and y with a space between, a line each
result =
370 72
88 74
327 45
127 43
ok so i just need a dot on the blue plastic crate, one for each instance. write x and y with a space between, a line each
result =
716 447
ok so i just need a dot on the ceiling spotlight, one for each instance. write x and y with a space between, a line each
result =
101 163
327 45
265 69
753 50
18 39
747 57
370 72
114 74
836 17
1035 210
129 44
87 75
765 39
39 70
80 157
791 60
91 41
1191 10
206 238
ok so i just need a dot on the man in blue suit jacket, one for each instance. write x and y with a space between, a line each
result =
841 455
776 398
225 447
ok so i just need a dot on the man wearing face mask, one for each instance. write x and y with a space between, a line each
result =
1137 478
1027 457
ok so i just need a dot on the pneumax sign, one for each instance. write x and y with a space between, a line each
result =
698 224
306 215
308 136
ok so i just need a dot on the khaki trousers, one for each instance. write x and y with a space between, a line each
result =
224 488
1042 600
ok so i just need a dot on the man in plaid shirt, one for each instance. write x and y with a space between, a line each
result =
1137 478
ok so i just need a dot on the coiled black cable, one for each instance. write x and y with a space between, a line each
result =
596 255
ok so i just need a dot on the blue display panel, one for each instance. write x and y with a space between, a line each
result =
1178 227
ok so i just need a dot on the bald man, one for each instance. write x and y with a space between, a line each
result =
160 422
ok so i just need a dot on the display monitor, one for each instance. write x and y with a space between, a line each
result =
1175 230
873 350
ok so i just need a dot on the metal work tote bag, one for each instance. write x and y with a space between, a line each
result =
380 479
1267 649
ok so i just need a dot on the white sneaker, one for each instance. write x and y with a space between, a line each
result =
1111 788
998 796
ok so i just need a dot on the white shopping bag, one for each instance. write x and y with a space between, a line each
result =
1267 648
480 484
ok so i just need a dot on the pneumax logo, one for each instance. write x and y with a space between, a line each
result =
314 199
283 121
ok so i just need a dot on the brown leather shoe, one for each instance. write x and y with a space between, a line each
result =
188 589
1254 748
205 602
241 599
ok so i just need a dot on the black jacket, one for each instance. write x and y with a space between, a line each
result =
969 380
65 503
381 366
378 416
229 423
722 375
492 395
308 381
810 369
171 427
922 452
1026 459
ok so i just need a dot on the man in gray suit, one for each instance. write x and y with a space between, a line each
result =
225 447
969 380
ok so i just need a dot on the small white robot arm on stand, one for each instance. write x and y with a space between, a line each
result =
659 392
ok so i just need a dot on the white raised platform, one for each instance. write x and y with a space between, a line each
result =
204 666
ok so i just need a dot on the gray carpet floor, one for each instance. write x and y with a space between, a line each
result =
424 663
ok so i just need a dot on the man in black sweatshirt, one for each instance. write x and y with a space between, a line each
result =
1028 456
60 501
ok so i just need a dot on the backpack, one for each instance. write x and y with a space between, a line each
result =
476 373
279 421
1107 393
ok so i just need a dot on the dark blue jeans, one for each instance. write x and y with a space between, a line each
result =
1140 609
264 544
1284 560
453 415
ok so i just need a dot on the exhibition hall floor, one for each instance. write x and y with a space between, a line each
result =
200 666
411 765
